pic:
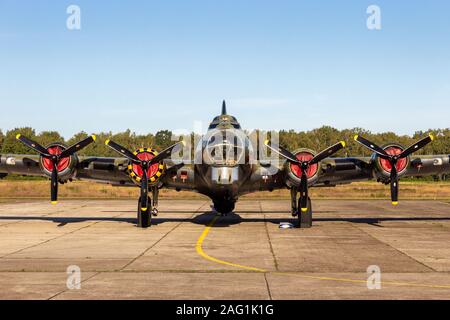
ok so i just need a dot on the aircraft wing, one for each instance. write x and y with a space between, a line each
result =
111 170
335 171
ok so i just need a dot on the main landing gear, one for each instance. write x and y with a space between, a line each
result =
304 217
144 217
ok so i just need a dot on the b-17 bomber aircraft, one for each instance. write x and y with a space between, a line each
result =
227 163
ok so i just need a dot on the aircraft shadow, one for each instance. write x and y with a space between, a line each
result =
223 221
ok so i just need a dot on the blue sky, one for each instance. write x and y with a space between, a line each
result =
150 65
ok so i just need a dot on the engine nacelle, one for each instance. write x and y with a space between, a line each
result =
294 171
154 172
383 167
66 166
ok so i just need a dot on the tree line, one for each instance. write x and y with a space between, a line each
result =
316 139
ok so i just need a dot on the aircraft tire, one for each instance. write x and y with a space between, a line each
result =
224 207
144 218
305 218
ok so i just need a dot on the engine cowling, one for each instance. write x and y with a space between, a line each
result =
294 171
383 167
154 172
66 166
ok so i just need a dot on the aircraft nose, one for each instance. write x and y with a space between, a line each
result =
224 175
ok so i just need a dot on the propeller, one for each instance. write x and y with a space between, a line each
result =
393 159
304 165
144 164
55 158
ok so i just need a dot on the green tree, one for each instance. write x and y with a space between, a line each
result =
163 139
12 145
316 139
2 138
47 137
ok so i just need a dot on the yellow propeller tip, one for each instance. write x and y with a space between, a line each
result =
53 202
394 203
107 141
18 136
94 137
144 209
431 137
356 137
304 209
343 144
183 143
266 142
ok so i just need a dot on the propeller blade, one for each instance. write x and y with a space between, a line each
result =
394 185
123 151
418 145
54 184
144 189
328 152
77 146
372 146
166 152
304 192
33 145
283 152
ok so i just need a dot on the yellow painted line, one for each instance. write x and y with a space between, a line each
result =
201 252
407 284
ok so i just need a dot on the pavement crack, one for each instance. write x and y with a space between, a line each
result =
268 287
275 261
81 282
394 248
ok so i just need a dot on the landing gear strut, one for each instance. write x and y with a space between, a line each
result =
155 193
305 217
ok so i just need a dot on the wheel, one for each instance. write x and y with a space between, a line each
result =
224 207
305 218
144 218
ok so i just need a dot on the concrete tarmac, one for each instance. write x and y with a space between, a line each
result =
189 254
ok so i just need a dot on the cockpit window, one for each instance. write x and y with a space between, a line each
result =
224 149
224 121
